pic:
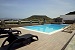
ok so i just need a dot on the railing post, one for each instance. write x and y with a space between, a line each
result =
2 23
38 21
19 22
30 21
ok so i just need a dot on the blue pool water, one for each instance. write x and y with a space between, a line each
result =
47 28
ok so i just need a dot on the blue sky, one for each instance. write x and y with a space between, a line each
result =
27 8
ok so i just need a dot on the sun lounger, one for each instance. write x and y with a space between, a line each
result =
68 29
12 39
5 31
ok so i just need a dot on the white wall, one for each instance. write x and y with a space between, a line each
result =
68 17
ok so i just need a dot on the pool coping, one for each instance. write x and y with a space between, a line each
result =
46 32
43 32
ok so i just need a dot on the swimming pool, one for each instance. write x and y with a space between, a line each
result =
46 28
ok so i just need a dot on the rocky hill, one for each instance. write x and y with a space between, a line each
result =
71 13
37 17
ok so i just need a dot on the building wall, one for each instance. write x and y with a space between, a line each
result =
68 17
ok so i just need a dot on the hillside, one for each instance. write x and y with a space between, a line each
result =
71 13
38 17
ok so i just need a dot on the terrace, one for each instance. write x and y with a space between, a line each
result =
56 41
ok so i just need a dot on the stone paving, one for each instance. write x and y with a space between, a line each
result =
71 45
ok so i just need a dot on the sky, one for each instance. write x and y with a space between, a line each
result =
27 8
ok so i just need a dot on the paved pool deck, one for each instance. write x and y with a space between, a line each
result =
71 45
56 41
